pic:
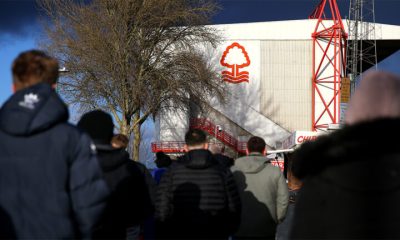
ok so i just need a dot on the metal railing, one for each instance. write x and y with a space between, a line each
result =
207 126
168 147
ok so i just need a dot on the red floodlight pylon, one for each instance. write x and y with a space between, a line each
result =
329 64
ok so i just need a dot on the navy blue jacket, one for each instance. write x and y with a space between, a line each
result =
50 180
129 203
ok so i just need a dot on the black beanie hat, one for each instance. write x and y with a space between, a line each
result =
163 160
99 125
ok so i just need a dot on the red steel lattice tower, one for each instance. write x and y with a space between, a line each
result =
329 64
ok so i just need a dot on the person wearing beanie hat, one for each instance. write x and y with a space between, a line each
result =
99 125
163 161
351 176
130 201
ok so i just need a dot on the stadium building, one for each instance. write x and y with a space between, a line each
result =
271 70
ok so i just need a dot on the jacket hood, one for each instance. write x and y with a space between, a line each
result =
32 110
362 143
111 158
198 159
253 163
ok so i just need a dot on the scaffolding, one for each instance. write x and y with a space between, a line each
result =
361 51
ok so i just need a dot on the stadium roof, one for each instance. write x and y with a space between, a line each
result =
387 36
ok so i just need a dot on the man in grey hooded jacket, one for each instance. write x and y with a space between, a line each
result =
263 191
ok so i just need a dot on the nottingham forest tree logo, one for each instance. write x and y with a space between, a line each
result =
235 57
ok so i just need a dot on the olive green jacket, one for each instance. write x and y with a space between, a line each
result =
264 195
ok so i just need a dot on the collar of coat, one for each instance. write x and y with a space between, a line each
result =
255 154
198 159
366 141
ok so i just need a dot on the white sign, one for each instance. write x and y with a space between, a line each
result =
298 137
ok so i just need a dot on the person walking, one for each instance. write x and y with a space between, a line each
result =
129 204
146 229
351 176
163 161
294 186
218 151
263 191
51 186
197 198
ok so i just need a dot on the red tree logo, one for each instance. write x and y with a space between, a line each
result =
235 57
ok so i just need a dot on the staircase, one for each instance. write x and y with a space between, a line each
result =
207 126
241 114
252 121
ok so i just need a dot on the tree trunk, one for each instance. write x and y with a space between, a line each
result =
125 129
137 137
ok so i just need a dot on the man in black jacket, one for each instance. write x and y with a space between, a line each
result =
130 201
51 185
197 197
351 177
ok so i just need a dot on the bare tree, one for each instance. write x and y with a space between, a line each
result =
132 57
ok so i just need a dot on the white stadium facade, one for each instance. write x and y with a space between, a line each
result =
269 69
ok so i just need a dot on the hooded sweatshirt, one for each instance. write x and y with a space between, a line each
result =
264 195
50 180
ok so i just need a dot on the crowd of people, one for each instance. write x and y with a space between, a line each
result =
63 181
